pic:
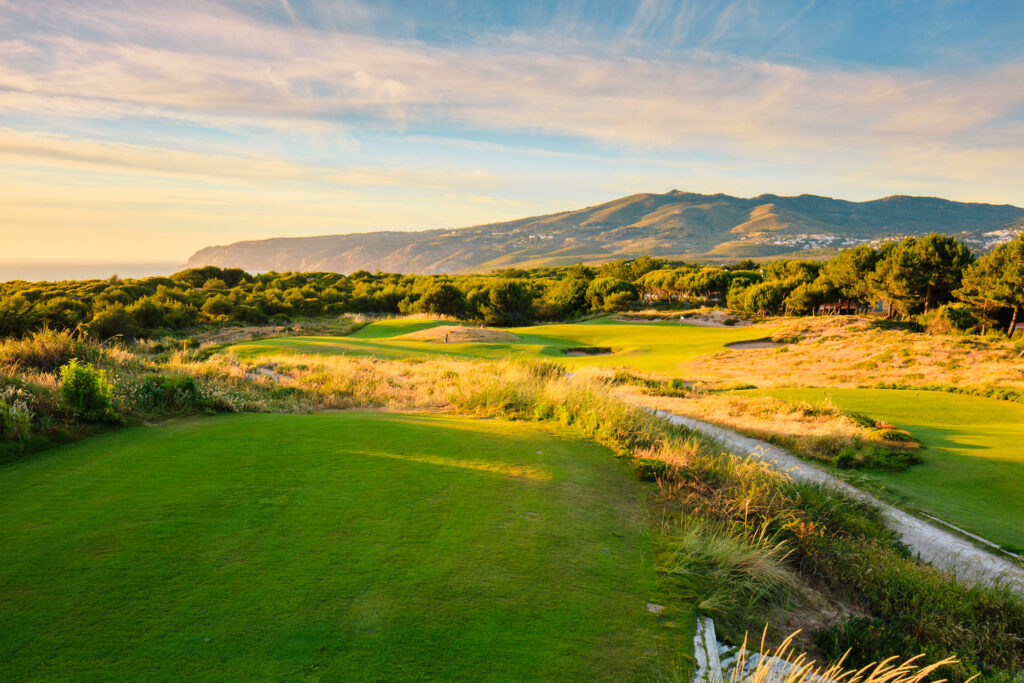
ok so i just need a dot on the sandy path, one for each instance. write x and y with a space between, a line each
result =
932 544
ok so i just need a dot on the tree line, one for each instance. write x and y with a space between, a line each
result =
935 275
213 296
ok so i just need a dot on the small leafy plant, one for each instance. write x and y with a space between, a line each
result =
86 392
170 393
649 469
15 414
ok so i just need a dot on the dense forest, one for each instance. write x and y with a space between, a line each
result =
935 278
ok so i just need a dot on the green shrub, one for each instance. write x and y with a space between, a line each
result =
169 393
649 469
677 384
959 317
15 414
891 435
86 392
982 625
876 456
867 640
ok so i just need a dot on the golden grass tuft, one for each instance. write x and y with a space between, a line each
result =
804 670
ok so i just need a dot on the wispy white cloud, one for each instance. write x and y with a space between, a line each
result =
115 157
218 64
267 92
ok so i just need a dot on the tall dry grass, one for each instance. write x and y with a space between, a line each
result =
820 431
850 351
739 572
784 664
46 350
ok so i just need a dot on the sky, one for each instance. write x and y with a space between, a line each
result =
137 131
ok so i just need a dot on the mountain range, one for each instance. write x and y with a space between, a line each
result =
675 225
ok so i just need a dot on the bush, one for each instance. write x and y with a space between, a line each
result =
952 318
112 321
444 299
764 299
891 435
169 393
45 350
891 457
611 294
15 414
619 301
649 469
86 392
867 640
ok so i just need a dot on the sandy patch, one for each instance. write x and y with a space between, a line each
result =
458 334
700 318
588 351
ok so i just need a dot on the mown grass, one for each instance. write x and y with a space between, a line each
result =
349 546
836 546
656 346
973 468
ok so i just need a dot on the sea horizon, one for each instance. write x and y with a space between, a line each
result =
52 271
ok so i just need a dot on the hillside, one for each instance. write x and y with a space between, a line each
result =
674 224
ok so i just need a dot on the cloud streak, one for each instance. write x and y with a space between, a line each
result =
264 105
213 63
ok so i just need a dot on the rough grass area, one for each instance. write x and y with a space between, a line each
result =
849 351
818 430
973 467
353 546
659 347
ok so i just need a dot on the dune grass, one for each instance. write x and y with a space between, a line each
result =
334 546
973 467
656 347
857 351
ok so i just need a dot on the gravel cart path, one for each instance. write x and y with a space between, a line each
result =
934 545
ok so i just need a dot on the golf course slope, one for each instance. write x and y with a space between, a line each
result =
974 462
650 346
332 546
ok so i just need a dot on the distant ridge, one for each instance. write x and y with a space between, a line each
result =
674 224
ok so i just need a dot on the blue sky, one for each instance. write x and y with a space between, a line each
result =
141 130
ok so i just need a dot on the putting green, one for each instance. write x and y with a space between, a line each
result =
656 347
328 547
973 471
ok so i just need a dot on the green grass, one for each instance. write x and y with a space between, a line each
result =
656 347
352 546
973 470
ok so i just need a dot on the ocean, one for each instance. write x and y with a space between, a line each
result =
40 271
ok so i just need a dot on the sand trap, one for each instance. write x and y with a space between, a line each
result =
754 344
715 322
715 318
457 334
588 351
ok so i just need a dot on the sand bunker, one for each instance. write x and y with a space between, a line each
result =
457 334
700 318
754 344
588 351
